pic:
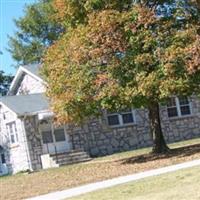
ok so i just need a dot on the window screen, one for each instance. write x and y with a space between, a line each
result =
47 137
113 120
127 118
59 135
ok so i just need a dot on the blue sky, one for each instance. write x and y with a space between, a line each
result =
9 9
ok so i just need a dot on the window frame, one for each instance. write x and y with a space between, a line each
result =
12 131
178 108
120 118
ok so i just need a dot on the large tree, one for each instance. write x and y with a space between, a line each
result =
120 57
36 30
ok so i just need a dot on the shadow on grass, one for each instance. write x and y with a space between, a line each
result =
177 152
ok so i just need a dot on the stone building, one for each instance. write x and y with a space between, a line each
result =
30 141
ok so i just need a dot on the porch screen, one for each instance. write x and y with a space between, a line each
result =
59 135
47 137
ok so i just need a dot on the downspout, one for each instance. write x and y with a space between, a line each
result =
26 144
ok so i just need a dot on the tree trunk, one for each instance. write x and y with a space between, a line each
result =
159 144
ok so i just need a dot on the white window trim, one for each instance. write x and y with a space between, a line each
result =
178 107
15 133
121 124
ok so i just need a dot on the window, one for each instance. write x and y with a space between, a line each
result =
178 106
59 135
12 131
184 106
113 119
121 118
47 137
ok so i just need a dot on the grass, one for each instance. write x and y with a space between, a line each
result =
183 184
21 186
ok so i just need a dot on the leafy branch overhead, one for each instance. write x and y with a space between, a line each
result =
121 58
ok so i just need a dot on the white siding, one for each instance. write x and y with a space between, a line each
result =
30 85
16 154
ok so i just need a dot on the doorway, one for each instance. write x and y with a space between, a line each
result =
54 139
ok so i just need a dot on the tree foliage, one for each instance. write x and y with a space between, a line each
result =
5 81
122 58
36 30
70 13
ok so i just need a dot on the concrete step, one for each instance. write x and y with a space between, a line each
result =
74 156
68 159
64 155
75 161
60 157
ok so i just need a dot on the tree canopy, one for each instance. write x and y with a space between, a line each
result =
36 30
70 13
137 57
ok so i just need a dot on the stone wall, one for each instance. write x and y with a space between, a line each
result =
182 128
98 139
34 142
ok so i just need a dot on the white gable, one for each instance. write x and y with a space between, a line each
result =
26 82
29 85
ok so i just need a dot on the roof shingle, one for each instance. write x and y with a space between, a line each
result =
26 104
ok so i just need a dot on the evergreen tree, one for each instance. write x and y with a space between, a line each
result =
5 81
36 30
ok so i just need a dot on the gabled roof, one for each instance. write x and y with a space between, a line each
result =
26 104
33 70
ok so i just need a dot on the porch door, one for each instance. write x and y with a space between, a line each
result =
55 141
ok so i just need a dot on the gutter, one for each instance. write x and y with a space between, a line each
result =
33 113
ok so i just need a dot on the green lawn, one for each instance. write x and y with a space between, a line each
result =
180 185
